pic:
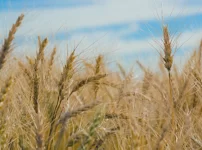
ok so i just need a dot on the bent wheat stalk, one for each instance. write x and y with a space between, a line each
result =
6 47
86 81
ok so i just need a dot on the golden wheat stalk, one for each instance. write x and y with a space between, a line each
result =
98 64
6 47
36 89
78 86
161 138
5 90
99 142
39 133
52 58
30 61
168 57
91 132
74 113
168 61
26 72
40 55
71 114
115 116
97 71
36 74
86 81
199 56
147 80
65 76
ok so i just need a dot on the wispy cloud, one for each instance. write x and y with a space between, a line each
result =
99 13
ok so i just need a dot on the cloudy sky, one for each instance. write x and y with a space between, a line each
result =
122 30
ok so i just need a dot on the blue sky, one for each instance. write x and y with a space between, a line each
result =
126 29
27 4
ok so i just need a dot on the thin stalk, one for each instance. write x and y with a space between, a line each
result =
171 101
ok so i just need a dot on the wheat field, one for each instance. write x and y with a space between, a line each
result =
46 107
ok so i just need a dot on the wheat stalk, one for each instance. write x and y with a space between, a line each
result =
67 115
65 76
147 78
168 60
26 72
40 55
36 74
39 133
6 47
86 81
51 60
97 71
5 90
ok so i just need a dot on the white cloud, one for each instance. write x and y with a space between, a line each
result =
107 12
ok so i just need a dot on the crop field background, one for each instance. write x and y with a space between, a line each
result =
84 104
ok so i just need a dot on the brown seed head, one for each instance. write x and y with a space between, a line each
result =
168 58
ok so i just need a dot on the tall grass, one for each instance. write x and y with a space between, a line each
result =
44 108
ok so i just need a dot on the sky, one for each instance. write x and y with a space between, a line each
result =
122 30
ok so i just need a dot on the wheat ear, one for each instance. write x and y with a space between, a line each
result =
51 60
97 71
6 47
